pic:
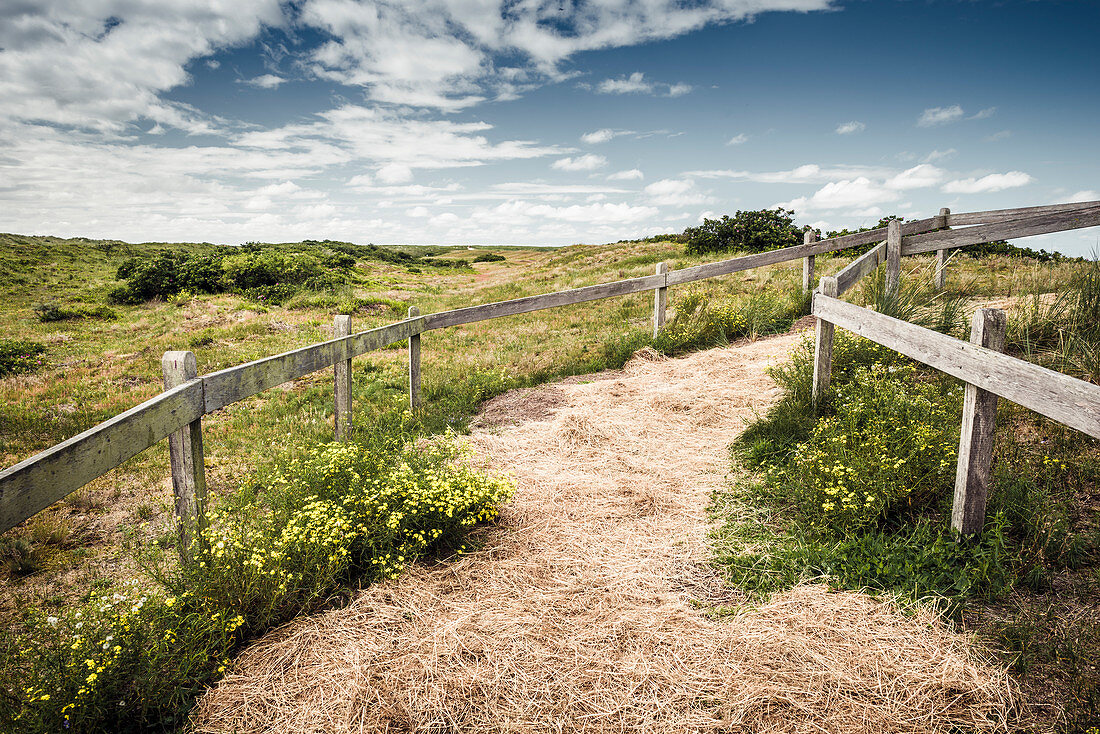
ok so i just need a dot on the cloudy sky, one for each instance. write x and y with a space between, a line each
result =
535 122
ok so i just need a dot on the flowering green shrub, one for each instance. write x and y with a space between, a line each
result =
136 659
891 445
132 656
338 507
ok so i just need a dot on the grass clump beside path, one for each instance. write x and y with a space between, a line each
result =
860 491
292 541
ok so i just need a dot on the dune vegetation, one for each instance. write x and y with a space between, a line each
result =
112 631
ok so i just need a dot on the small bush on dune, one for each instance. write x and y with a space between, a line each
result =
749 231
339 514
489 257
256 272
1062 332
18 356
52 312
890 446
857 491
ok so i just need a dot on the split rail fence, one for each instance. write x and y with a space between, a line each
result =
176 414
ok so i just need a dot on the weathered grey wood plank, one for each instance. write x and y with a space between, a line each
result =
808 237
186 456
368 341
341 383
236 383
414 365
1004 215
536 303
823 345
1075 403
1042 224
37 482
939 278
974 475
860 267
893 255
660 301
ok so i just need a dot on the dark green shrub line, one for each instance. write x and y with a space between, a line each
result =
50 312
748 231
262 274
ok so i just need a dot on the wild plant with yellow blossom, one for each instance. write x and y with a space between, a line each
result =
890 446
331 516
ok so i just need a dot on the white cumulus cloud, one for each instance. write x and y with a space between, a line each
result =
265 81
603 135
986 184
586 162
849 128
940 116
675 192
917 177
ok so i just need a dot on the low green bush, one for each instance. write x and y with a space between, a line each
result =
52 312
889 446
264 274
337 515
788 422
18 356
858 490
489 257
748 231
914 561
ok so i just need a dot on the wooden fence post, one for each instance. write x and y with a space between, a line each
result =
979 417
341 326
823 346
660 302
808 262
185 453
940 280
414 365
893 254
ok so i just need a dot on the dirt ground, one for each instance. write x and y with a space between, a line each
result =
590 605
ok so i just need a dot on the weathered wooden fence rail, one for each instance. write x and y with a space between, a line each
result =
37 482
987 373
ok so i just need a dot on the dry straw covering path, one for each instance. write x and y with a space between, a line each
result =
581 612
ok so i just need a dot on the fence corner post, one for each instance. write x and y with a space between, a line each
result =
186 455
940 280
414 364
973 475
660 300
823 345
893 254
808 237
341 326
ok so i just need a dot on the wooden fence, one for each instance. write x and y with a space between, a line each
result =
37 482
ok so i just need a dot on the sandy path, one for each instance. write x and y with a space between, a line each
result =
579 614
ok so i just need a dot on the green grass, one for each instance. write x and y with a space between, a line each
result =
858 493
95 367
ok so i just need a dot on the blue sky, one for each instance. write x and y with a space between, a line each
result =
532 122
